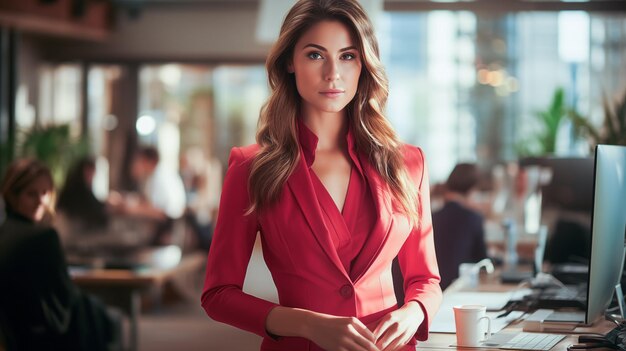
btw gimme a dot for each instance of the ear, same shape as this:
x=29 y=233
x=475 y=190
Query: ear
x=290 y=68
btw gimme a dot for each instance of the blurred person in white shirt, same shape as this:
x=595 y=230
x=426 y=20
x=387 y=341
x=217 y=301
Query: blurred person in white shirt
x=161 y=194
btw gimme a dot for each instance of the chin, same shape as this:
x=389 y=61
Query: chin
x=333 y=107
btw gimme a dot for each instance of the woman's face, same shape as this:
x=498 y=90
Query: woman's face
x=35 y=199
x=327 y=66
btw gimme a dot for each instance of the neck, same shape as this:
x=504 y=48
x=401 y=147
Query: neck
x=330 y=129
x=16 y=215
x=456 y=197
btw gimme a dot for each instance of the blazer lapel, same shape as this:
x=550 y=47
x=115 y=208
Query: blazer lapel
x=382 y=200
x=302 y=188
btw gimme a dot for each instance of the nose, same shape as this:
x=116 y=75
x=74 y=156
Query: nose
x=331 y=70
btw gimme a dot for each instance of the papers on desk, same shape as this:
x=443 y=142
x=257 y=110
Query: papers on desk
x=444 y=319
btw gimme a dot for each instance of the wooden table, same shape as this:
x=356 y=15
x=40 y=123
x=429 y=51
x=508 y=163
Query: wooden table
x=122 y=288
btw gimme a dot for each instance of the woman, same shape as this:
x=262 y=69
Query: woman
x=39 y=305
x=77 y=201
x=82 y=220
x=334 y=195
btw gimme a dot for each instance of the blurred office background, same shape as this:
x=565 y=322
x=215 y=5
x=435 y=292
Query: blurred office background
x=485 y=81
x=468 y=79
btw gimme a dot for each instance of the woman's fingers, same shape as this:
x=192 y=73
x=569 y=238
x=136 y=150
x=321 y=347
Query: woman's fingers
x=395 y=344
x=363 y=336
x=391 y=334
x=363 y=330
x=341 y=334
x=385 y=323
x=361 y=344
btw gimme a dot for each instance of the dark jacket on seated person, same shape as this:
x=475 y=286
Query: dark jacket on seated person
x=40 y=307
x=459 y=238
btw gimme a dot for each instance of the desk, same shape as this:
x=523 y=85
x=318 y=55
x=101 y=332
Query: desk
x=122 y=288
x=442 y=341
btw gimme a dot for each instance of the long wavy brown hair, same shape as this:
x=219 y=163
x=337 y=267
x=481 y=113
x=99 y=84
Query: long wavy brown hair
x=277 y=130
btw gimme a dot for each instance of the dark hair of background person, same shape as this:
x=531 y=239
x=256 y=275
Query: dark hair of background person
x=77 y=200
x=19 y=175
x=149 y=153
x=463 y=178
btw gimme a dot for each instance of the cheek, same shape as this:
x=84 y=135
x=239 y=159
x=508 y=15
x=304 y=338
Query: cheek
x=305 y=78
x=25 y=203
x=353 y=74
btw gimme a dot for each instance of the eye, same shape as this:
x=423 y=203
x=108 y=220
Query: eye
x=315 y=55
x=348 y=56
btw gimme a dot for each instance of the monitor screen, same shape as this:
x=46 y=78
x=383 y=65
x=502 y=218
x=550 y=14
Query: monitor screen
x=608 y=225
x=571 y=187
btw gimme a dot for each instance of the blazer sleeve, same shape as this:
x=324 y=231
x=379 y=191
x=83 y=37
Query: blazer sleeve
x=223 y=298
x=417 y=258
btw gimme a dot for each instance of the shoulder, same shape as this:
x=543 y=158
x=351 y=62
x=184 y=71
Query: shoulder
x=413 y=155
x=476 y=216
x=18 y=227
x=414 y=160
x=242 y=155
x=17 y=235
x=458 y=210
x=240 y=164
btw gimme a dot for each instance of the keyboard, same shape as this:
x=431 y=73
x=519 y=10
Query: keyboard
x=532 y=341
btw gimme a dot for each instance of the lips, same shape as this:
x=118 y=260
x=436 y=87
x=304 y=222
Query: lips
x=332 y=93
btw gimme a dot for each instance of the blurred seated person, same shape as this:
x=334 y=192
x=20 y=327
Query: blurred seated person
x=91 y=228
x=458 y=227
x=161 y=195
x=40 y=307
x=202 y=178
x=79 y=213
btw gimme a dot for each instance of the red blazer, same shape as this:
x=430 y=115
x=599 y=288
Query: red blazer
x=299 y=253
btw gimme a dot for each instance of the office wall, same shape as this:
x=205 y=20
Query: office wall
x=189 y=33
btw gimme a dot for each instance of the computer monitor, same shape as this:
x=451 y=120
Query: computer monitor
x=608 y=231
x=571 y=185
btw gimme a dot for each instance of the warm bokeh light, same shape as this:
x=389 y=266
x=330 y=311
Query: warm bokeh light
x=495 y=78
x=483 y=76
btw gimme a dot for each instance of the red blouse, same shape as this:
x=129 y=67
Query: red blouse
x=349 y=228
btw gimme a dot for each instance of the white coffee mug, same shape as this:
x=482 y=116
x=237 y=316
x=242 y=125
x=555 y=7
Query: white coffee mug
x=470 y=331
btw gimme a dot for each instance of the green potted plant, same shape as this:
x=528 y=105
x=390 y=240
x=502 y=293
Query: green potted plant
x=543 y=141
x=55 y=146
x=613 y=128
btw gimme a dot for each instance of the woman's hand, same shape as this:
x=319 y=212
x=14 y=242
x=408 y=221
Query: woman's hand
x=397 y=328
x=334 y=333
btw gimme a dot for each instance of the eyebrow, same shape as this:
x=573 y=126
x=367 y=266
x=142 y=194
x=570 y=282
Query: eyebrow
x=319 y=47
